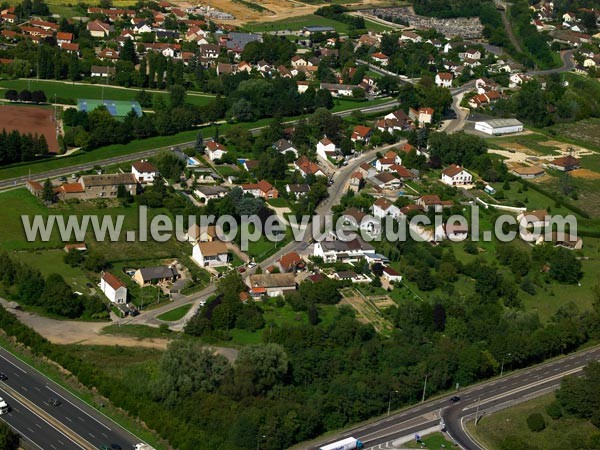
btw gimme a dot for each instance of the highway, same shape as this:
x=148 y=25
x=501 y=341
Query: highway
x=70 y=425
x=480 y=399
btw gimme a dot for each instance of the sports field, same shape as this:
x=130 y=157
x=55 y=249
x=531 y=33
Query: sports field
x=117 y=108
x=30 y=119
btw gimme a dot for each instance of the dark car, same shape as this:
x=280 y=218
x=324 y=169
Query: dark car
x=3 y=377
x=104 y=447
x=455 y=399
x=116 y=447
x=53 y=401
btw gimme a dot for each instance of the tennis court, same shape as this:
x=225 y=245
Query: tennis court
x=116 y=108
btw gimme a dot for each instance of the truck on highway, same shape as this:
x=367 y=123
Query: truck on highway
x=4 y=408
x=345 y=444
x=143 y=446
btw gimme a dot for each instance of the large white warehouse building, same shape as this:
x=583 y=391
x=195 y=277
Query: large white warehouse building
x=499 y=126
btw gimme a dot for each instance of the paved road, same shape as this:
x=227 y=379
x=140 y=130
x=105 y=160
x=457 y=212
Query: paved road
x=71 y=425
x=490 y=396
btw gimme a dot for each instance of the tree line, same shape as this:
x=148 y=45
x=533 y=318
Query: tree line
x=16 y=147
x=25 y=96
x=52 y=293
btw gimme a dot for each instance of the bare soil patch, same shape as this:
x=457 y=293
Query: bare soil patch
x=30 y=119
x=585 y=173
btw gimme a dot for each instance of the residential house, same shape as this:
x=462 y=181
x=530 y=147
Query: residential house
x=299 y=61
x=107 y=185
x=565 y=163
x=433 y=201
x=271 y=285
x=455 y=175
x=262 y=189
x=410 y=36
x=352 y=276
x=144 y=171
x=422 y=115
x=70 y=191
x=560 y=239
x=206 y=193
x=215 y=150
x=382 y=207
x=391 y=275
x=35 y=187
x=99 y=29
x=196 y=234
x=63 y=38
x=353 y=219
x=284 y=146
x=342 y=251
x=114 y=289
x=361 y=134
x=156 y=275
x=355 y=181
x=210 y=254
x=102 y=71
x=536 y=218
x=380 y=58
x=338 y=90
x=326 y=148
x=297 y=190
x=77 y=246
x=307 y=167
x=527 y=172
x=386 y=181
x=443 y=79
x=290 y=262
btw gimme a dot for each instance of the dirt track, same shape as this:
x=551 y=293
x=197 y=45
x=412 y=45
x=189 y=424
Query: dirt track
x=30 y=119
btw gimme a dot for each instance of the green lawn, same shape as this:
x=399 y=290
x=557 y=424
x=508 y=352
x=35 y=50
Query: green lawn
x=68 y=90
x=297 y=23
x=536 y=142
x=51 y=261
x=138 y=331
x=495 y=430
x=278 y=202
x=175 y=314
x=432 y=441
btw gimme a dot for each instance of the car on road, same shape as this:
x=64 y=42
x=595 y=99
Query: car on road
x=116 y=447
x=53 y=401
x=251 y=265
x=3 y=377
x=455 y=399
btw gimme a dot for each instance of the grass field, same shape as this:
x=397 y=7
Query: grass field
x=535 y=142
x=297 y=23
x=175 y=314
x=92 y=91
x=561 y=434
x=52 y=261
x=137 y=331
x=432 y=441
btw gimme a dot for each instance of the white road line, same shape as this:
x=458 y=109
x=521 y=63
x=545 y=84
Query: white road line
x=71 y=403
x=38 y=425
x=93 y=437
x=12 y=364
x=52 y=446
x=24 y=388
x=23 y=434
x=68 y=418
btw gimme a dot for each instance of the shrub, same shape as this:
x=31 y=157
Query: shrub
x=554 y=410
x=536 y=422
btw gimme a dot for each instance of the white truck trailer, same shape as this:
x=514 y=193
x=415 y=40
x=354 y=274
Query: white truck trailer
x=4 y=408
x=345 y=444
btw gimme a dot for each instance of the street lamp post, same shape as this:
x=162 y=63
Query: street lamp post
x=390 y=402
x=502 y=366
x=424 y=388
x=258 y=441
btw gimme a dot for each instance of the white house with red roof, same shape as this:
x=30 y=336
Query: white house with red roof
x=421 y=115
x=443 y=79
x=308 y=167
x=144 y=171
x=114 y=289
x=391 y=275
x=455 y=175
x=382 y=207
x=326 y=148
x=262 y=189
x=215 y=150
x=380 y=58
x=361 y=133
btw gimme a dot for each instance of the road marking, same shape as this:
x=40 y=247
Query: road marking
x=68 y=418
x=38 y=425
x=37 y=389
x=52 y=446
x=30 y=430
x=24 y=388
x=72 y=404
x=12 y=364
x=93 y=437
x=523 y=388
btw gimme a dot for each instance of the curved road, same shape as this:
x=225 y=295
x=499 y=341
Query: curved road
x=481 y=399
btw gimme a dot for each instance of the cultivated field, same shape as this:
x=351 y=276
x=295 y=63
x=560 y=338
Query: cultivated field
x=30 y=119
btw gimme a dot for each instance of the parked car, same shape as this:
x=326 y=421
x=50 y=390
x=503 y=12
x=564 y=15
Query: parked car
x=455 y=399
x=53 y=401
x=3 y=377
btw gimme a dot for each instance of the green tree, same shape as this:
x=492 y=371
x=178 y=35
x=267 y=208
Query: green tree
x=260 y=367
x=9 y=440
x=177 y=96
x=48 y=194
x=536 y=422
x=187 y=368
